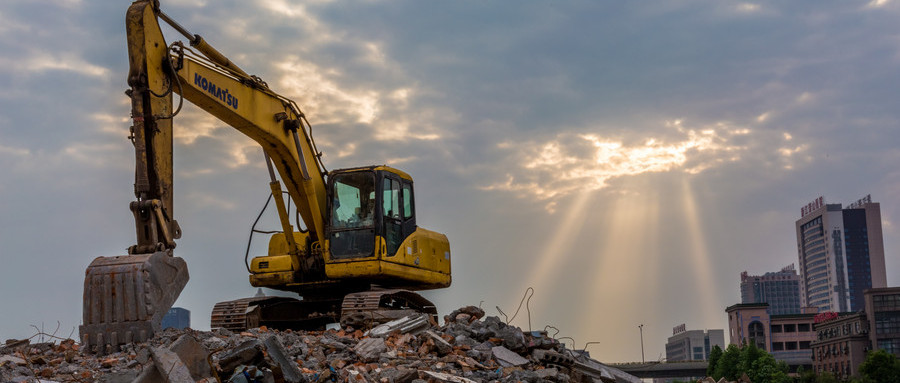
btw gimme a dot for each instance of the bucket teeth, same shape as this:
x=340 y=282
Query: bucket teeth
x=126 y=297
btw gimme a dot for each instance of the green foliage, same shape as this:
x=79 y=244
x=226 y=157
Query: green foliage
x=714 y=355
x=751 y=360
x=827 y=377
x=804 y=376
x=881 y=366
x=727 y=366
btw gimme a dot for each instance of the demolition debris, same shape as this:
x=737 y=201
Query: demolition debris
x=412 y=349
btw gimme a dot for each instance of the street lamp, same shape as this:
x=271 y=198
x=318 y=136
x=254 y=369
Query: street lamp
x=641 y=327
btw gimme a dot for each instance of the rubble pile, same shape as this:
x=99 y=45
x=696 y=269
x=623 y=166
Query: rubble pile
x=412 y=349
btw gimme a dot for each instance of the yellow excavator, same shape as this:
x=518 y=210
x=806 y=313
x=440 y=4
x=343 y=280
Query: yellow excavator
x=359 y=259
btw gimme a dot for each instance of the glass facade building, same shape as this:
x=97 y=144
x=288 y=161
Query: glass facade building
x=840 y=254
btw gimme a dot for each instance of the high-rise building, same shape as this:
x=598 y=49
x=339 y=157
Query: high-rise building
x=841 y=254
x=780 y=289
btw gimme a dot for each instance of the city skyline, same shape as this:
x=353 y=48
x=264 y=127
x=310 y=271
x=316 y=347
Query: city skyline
x=625 y=160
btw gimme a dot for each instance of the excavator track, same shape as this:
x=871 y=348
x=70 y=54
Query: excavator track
x=232 y=315
x=357 y=310
x=274 y=312
x=369 y=308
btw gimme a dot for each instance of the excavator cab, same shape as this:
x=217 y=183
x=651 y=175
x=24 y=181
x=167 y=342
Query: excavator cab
x=371 y=237
x=371 y=232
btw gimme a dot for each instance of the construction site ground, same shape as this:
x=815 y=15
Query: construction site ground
x=467 y=347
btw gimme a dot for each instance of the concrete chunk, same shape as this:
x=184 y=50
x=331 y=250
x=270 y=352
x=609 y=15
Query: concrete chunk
x=193 y=355
x=507 y=358
x=370 y=349
x=278 y=355
x=412 y=324
x=12 y=359
x=170 y=366
x=440 y=345
x=440 y=376
x=249 y=353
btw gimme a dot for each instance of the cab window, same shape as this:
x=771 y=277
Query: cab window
x=407 y=201
x=353 y=205
x=391 y=201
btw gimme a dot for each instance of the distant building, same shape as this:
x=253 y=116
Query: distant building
x=883 y=312
x=691 y=345
x=787 y=337
x=780 y=289
x=177 y=317
x=842 y=341
x=840 y=253
x=686 y=345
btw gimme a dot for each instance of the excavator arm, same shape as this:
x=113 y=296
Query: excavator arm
x=209 y=80
x=125 y=297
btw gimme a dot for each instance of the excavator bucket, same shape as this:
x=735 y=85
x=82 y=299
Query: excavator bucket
x=126 y=297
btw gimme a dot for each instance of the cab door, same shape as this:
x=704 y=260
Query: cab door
x=408 y=225
x=391 y=214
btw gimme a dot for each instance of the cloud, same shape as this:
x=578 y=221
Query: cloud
x=571 y=162
x=14 y=152
x=40 y=62
x=878 y=3
x=748 y=7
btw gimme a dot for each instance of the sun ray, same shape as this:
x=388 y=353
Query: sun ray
x=626 y=259
x=558 y=248
x=699 y=254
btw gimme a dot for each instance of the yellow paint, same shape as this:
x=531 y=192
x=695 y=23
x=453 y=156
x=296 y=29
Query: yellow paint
x=423 y=259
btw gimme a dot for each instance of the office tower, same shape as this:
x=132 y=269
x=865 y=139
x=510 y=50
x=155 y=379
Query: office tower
x=841 y=254
x=780 y=289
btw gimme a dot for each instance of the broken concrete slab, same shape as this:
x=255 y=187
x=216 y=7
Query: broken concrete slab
x=441 y=346
x=507 y=358
x=440 y=376
x=282 y=363
x=193 y=355
x=247 y=353
x=398 y=375
x=370 y=349
x=12 y=359
x=411 y=324
x=170 y=366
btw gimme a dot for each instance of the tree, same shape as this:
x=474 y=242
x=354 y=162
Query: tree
x=749 y=354
x=727 y=366
x=881 y=366
x=759 y=365
x=766 y=369
x=714 y=355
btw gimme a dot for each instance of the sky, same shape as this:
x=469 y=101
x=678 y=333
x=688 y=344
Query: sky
x=625 y=160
